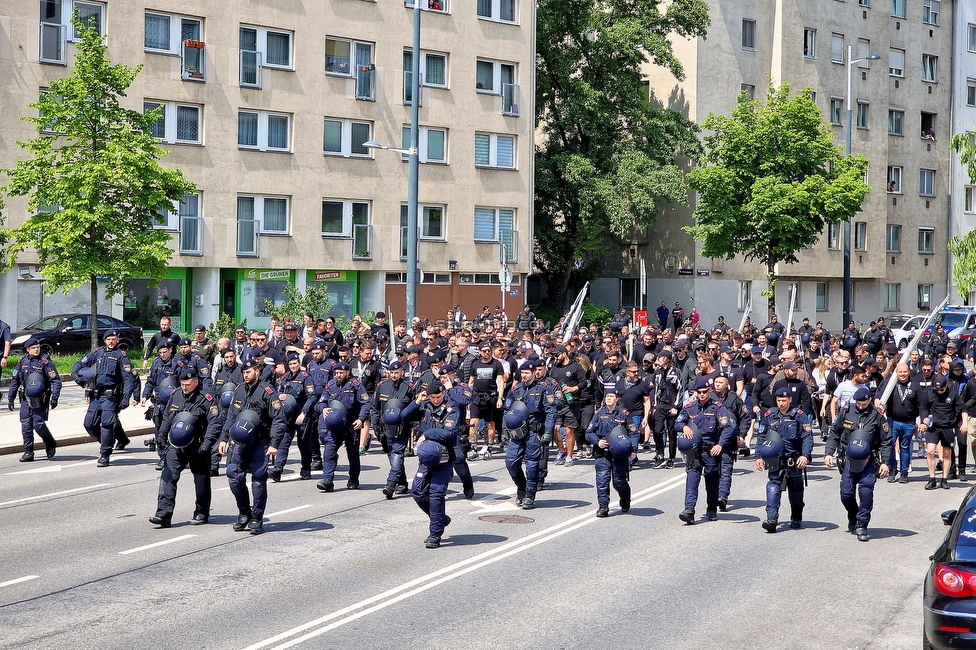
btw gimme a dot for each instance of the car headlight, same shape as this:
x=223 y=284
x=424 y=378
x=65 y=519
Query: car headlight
x=20 y=339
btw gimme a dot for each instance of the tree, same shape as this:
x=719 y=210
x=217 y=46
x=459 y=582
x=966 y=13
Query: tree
x=964 y=248
x=606 y=155
x=772 y=180
x=94 y=183
x=314 y=300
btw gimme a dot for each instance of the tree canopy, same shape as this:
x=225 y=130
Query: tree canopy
x=963 y=248
x=606 y=155
x=771 y=180
x=94 y=184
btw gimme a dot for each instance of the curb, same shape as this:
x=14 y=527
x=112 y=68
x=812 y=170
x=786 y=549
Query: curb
x=71 y=439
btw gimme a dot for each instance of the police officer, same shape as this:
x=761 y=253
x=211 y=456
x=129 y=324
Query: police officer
x=784 y=443
x=298 y=384
x=190 y=357
x=394 y=435
x=526 y=435
x=458 y=396
x=740 y=415
x=37 y=382
x=256 y=420
x=229 y=372
x=160 y=384
x=191 y=422
x=611 y=458
x=350 y=393
x=861 y=434
x=716 y=429
x=109 y=392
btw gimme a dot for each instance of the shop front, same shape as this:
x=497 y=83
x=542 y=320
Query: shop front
x=245 y=294
x=343 y=290
x=143 y=305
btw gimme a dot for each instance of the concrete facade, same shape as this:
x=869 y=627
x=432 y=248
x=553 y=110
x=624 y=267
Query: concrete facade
x=331 y=74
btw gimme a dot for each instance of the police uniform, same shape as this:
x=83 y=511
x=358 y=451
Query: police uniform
x=299 y=385
x=459 y=396
x=850 y=426
x=223 y=375
x=158 y=373
x=108 y=394
x=251 y=457
x=352 y=396
x=740 y=416
x=526 y=446
x=795 y=431
x=37 y=382
x=393 y=437
x=555 y=394
x=205 y=412
x=196 y=361
x=608 y=467
x=716 y=427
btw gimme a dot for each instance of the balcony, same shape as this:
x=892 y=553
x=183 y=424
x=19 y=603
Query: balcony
x=250 y=69
x=194 y=60
x=510 y=100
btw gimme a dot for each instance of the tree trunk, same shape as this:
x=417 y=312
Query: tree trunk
x=771 y=298
x=94 y=312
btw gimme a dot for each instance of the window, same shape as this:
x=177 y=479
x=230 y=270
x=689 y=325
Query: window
x=263 y=131
x=896 y=63
x=925 y=237
x=55 y=18
x=260 y=48
x=971 y=92
x=837 y=48
x=925 y=296
x=430 y=222
x=748 y=34
x=864 y=3
x=169 y=34
x=340 y=217
x=191 y=226
x=926 y=182
x=930 y=12
x=836 y=111
x=745 y=295
x=969 y=204
x=494 y=150
x=892 y=239
x=433 y=69
x=493 y=224
x=491 y=75
x=352 y=59
x=346 y=138
x=435 y=278
x=178 y=124
x=971 y=40
x=748 y=89
x=896 y=120
x=821 y=296
x=894 y=180
x=863 y=52
x=891 y=301
x=860 y=235
x=433 y=144
x=809 y=43
x=505 y=11
x=439 y=6
x=898 y=8
x=833 y=236
x=929 y=68
x=862 y=114
x=269 y=212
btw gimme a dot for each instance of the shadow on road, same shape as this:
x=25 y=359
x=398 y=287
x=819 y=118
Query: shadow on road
x=820 y=525
x=884 y=533
x=308 y=526
x=645 y=512
x=734 y=518
x=472 y=540
x=742 y=504
x=562 y=503
x=555 y=485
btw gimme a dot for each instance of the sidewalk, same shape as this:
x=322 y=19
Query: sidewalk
x=67 y=427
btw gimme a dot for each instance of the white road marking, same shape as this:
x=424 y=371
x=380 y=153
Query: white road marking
x=285 y=512
x=423 y=583
x=47 y=469
x=490 y=499
x=148 y=546
x=17 y=580
x=292 y=477
x=55 y=494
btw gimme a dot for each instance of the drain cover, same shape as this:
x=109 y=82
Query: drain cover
x=506 y=519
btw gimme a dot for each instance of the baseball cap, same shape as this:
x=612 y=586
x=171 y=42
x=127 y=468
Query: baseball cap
x=200 y=328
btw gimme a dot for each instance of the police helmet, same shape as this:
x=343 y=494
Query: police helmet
x=245 y=427
x=431 y=454
x=772 y=450
x=35 y=385
x=165 y=390
x=289 y=406
x=392 y=413
x=621 y=445
x=85 y=377
x=183 y=431
x=858 y=451
x=227 y=394
x=517 y=415
x=336 y=420
x=687 y=445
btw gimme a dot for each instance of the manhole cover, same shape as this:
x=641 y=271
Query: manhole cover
x=506 y=519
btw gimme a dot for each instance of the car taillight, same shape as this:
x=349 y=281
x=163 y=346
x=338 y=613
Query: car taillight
x=954 y=582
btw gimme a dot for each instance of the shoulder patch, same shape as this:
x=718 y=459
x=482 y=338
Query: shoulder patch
x=208 y=397
x=269 y=390
x=52 y=374
x=214 y=410
x=276 y=404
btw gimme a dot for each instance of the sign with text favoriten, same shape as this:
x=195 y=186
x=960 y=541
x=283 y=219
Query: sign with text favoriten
x=327 y=275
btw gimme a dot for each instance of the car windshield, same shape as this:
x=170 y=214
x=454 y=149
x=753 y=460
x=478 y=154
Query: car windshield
x=49 y=323
x=951 y=320
x=896 y=322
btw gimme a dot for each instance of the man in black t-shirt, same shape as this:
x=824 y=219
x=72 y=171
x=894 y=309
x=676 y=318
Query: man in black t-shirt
x=487 y=382
x=568 y=375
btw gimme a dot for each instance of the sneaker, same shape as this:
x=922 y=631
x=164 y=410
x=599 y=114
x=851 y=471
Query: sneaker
x=944 y=484
x=660 y=463
x=560 y=458
x=795 y=524
x=892 y=477
x=433 y=541
x=962 y=476
x=625 y=505
x=103 y=461
x=519 y=498
x=316 y=465
x=769 y=525
x=469 y=493
x=388 y=493
x=903 y=478
x=669 y=464
x=687 y=515
x=401 y=489
x=723 y=504
x=932 y=484
x=603 y=513
x=28 y=457
x=472 y=455
x=325 y=486
x=587 y=453
x=711 y=515
x=658 y=460
x=862 y=534
x=528 y=503
x=569 y=462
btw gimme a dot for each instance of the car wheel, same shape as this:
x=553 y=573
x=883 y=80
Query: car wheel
x=902 y=344
x=124 y=346
x=46 y=349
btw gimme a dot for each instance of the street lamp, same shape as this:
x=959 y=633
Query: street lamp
x=847 y=222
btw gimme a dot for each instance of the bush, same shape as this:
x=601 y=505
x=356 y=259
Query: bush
x=594 y=314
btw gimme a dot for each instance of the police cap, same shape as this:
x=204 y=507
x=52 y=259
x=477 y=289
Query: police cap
x=701 y=383
x=782 y=391
x=862 y=394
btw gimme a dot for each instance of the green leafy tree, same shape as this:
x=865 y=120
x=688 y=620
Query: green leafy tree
x=772 y=180
x=606 y=155
x=963 y=248
x=314 y=300
x=93 y=182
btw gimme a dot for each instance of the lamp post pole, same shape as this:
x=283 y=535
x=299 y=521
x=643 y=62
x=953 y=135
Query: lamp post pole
x=414 y=171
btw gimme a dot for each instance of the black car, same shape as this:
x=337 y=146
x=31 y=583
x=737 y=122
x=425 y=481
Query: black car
x=949 y=600
x=71 y=333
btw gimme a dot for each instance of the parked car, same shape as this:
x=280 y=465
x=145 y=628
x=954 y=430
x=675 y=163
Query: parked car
x=949 y=596
x=958 y=322
x=71 y=333
x=903 y=328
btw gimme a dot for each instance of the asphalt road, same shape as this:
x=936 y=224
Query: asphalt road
x=81 y=567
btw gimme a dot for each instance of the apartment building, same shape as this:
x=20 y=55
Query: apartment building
x=266 y=108
x=901 y=124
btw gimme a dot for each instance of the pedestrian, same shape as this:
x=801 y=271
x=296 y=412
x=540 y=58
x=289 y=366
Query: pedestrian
x=707 y=424
x=862 y=441
x=487 y=382
x=392 y=393
x=109 y=391
x=165 y=333
x=663 y=313
x=202 y=345
x=347 y=398
x=784 y=444
x=939 y=410
x=162 y=380
x=299 y=385
x=256 y=422
x=611 y=452
x=902 y=409
x=191 y=424
x=37 y=382
x=530 y=413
